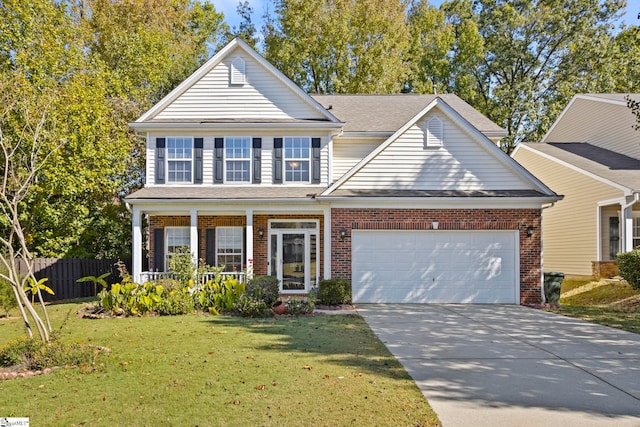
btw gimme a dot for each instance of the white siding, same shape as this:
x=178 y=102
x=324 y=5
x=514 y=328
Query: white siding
x=462 y=163
x=602 y=124
x=263 y=96
x=348 y=152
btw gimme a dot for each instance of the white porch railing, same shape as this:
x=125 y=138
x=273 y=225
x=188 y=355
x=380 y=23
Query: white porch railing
x=148 y=276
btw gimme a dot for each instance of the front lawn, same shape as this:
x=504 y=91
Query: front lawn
x=210 y=371
x=608 y=303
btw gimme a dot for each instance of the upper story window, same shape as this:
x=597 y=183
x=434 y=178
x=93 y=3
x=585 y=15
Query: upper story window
x=237 y=72
x=180 y=159
x=435 y=133
x=237 y=158
x=297 y=152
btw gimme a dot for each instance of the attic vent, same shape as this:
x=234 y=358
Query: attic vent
x=435 y=133
x=237 y=73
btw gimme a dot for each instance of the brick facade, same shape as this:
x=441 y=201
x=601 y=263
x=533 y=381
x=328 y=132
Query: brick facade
x=449 y=219
x=260 y=244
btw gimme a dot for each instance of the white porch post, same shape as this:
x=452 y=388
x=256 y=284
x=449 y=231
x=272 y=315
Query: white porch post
x=136 y=243
x=249 y=243
x=327 y=243
x=627 y=228
x=193 y=237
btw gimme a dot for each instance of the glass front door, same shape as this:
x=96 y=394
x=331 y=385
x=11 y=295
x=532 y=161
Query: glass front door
x=293 y=255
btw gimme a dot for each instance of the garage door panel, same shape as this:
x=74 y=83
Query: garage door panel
x=434 y=266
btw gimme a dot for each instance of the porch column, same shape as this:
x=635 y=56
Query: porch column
x=136 y=224
x=193 y=237
x=327 y=243
x=249 y=243
x=627 y=227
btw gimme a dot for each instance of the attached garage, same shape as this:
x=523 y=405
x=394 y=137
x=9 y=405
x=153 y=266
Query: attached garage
x=435 y=266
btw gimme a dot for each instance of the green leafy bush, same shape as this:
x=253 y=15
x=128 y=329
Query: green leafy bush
x=131 y=299
x=248 y=306
x=297 y=305
x=266 y=288
x=629 y=267
x=334 y=292
x=177 y=301
x=220 y=293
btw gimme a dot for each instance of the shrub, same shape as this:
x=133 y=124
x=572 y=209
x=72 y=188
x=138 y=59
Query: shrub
x=220 y=293
x=629 y=267
x=177 y=301
x=299 y=305
x=266 y=288
x=129 y=298
x=334 y=292
x=248 y=306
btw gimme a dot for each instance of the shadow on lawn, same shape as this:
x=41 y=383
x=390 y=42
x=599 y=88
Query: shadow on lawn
x=344 y=339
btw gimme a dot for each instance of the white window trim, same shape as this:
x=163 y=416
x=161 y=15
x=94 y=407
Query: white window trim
x=434 y=140
x=249 y=159
x=168 y=254
x=285 y=160
x=242 y=245
x=168 y=160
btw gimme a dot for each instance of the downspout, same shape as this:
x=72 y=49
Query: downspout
x=544 y=299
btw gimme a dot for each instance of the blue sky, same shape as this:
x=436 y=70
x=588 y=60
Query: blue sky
x=228 y=7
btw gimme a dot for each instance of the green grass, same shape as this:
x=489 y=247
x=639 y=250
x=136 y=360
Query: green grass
x=220 y=371
x=614 y=304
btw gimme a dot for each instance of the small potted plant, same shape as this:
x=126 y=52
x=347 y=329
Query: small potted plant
x=279 y=307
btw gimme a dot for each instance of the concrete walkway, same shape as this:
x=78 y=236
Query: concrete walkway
x=507 y=365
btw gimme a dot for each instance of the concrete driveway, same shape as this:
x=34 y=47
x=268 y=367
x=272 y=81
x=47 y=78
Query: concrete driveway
x=507 y=365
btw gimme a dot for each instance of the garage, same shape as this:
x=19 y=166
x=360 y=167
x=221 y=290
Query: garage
x=435 y=266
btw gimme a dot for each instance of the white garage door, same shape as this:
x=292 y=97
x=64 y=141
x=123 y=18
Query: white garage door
x=435 y=266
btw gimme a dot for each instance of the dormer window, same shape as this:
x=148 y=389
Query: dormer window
x=435 y=133
x=237 y=73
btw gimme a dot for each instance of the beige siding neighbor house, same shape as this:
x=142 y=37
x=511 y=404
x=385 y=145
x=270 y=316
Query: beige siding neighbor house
x=406 y=196
x=591 y=155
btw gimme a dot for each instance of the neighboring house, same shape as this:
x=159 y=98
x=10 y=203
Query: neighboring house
x=591 y=155
x=407 y=196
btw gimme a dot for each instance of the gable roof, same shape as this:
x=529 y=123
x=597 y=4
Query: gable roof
x=216 y=59
x=617 y=169
x=438 y=102
x=388 y=113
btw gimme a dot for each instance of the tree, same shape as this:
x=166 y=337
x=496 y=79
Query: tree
x=444 y=50
x=339 y=46
x=537 y=54
x=246 y=30
x=22 y=158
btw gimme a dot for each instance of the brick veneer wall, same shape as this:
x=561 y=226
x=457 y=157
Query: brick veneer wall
x=260 y=245
x=449 y=219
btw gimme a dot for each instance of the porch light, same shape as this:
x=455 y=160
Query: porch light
x=530 y=230
x=343 y=233
x=261 y=232
x=435 y=225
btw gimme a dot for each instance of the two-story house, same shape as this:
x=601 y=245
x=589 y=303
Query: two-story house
x=407 y=196
x=591 y=155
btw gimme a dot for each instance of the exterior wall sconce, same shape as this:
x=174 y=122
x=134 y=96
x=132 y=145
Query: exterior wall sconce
x=435 y=225
x=261 y=232
x=530 y=230
x=343 y=233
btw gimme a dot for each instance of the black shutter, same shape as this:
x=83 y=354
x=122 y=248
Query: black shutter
x=277 y=160
x=158 y=249
x=197 y=160
x=210 y=246
x=315 y=160
x=160 y=157
x=218 y=167
x=257 y=160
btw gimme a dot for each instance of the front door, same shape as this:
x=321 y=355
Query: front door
x=293 y=255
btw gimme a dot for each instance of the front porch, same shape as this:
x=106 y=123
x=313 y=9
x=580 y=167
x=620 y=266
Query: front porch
x=244 y=243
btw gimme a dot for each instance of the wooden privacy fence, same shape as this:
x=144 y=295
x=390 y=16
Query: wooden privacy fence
x=64 y=273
